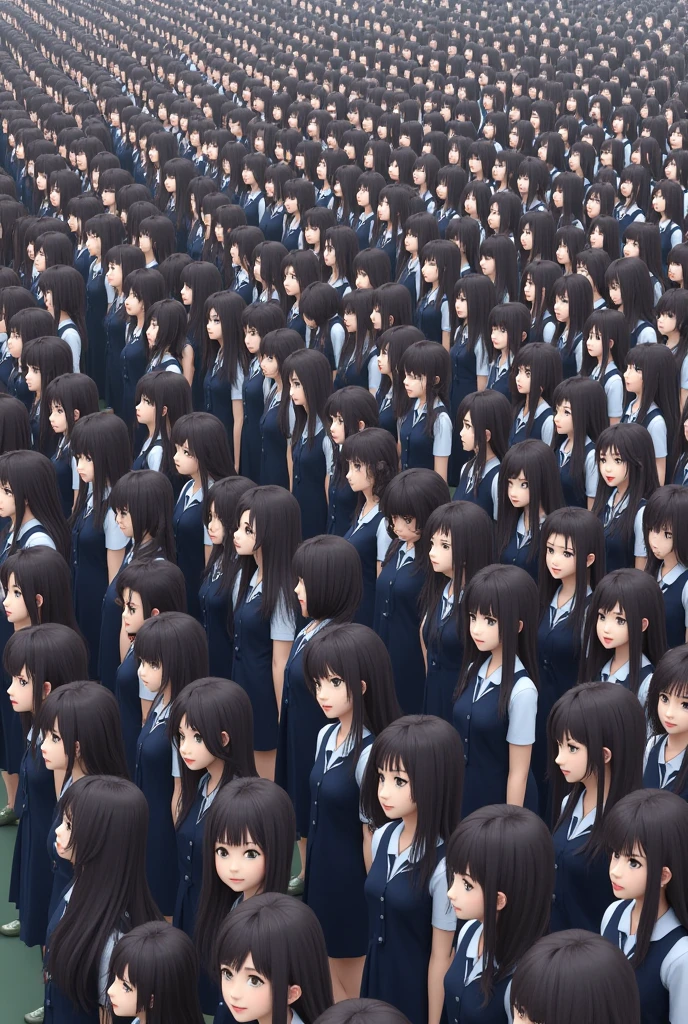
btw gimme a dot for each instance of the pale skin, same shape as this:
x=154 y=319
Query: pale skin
x=572 y=759
x=628 y=875
x=614 y=472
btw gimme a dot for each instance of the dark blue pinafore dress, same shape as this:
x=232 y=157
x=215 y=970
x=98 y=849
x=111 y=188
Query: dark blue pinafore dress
x=364 y=539
x=674 y=611
x=115 y=324
x=214 y=602
x=444 y=644
x=310 y=470
x=96 y=310
x=582 y=890
x=58 y=1009
x=397 y=623
x=129 y=703
x=253 y=402
x=89 y=582
x=188 y=534
x=341 y=505
x=62 y=461
x=273 y=446
x=253 y=668
x=464 y=1001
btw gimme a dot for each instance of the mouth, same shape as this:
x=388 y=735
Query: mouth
x=607 y=640
x=555 y=570
x=565 y=771
x=13 y=702
x=237 y=1009
x=609 y=479
x=670 y=725
x=616 y=887
x=326 y=707
x=387 y=807
x=188 y=761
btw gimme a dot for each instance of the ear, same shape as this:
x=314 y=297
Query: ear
x=590 y=559
x=607 y=755
x=76 y=414
x=164 y=411
x=520 y=625
x=39 y=600
x=77 y=751
x=488 y=436
x=224 y=737
x=154 y=612
x=361 y=425
x=644 y=623
x=666 y=876
x=364 y=686
x=501 y=901
x=524 y=335
x=437 y=380
x=611 y=344
x=47 y=687
x=391 y=321
x=294 y=992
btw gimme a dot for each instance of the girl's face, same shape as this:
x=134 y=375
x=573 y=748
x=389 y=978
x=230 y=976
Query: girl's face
x=269 y=366
x=633 y=379
x=252 y=340
x=631 y=248
x=626 y=187
x=145 y=244
x=192 y=749
x=20 y=692
x=440 y=554
x=53 y=751
x=186 y=293
x=560 y=557
x=133 y=305
x=430 y=272
x=527 y=239
x=572 y=759
x=467 y=434
x=672 y=711
x=15 y=606
x=133 y=616
x=296 y=392
x=612 y=627
x=185 y=463
x=466 y=898
x=461 y=306
x=333 y=697
x=394 y=792
x=58 y=419
x=248 y=994
x=291 y=284
x=291 y=205
x=114 y=276
x=593 y=344
x=661 y=542
x=151 y=676
x=615 y=293
x=363 y=198
x=123 y=996
x=311 y=235
x=561 y=305
x=124 y=521
x=358 y=477
x=216 y=530
x=596 y=238
x=145 y=412
x=484 y=630
x=658 y=203
x=329 y=255
x=94 y=245
x=33 y=379
x=488 y=266
x=383 y=363
x=152 y=332
x=405 y=528
x=415 y=385
x=337 y=432
x=523 y=380
x=593 y=207
x=612 y=468
x=383 y=211
x=214 y=326
x=7 y=504
x=518 y=491
x=39 y=262
x=628 y=875
x=675 y=273
x=470 y=206
x=362 y=280
x=245 y=535
x=63 y=837
x=666 y=323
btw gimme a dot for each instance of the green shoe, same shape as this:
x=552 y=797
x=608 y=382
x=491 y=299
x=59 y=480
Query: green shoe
x=296 y=886
x=35 y=1016
x=10 y=930
x=8 y=817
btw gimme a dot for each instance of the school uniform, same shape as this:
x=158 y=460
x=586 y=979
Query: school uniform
x=341 y=286
x=662 y=977
x=253 y=205
x=295 y=321
x=433 y=322
x=166 y=362
x=312 y=463
x=467 y=366
x=612 y=382
x=292 y=236
x=300 y=723
x=581 y=884
x=273 y=443
x=370 y=538
x=129 y=704
x=368 y=376
x=67 y=477
x=498 y=375
x=150 y=456
x=253 y=640
x=214 y=602
x=642 y=334
x=464 y=1002
x=115 y=327
x=397 y=622
x=670 y=234
x=674 y=587
x=389 y=243
x=486 y=736
x=621 y=553
x=658 y=773
x=253 y=388
x=133 y=360
x=66 y=330
x=219 y=393
x=443 y=640
x=401 y=917
x=418 y=447
x=111 y=627
x=627 y=215
x=654 y=423
x=574 y=496
x=16 y=386
x=411 y=279
x=443 y=218
x=195 y=240
x=243 y=285
x=483 y=492
x=364 y=229
x=335 y=843
x=543 y=425
x=341 y=504
x=191 y=535
x=272 y=222
x=387 y=420
x=519 y=551
x=622 y=673
x=155 y=769
x=572 y=360
x=96 y=310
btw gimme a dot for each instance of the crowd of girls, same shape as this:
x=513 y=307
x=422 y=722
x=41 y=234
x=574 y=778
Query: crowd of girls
x=344 y=511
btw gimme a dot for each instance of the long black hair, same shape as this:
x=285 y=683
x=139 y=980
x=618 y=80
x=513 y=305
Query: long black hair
x=31 y=478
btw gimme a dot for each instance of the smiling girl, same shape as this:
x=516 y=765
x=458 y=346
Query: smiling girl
x=666 y=766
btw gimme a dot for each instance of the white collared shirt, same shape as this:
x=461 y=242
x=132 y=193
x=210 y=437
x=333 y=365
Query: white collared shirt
x=622 y=673
x=383 y=538
x=522 y=701
x=473 y=967
x=612 y=511
x=668 y=770
x=443 y=916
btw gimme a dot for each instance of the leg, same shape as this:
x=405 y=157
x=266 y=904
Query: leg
x=11 y=785
x=301 y=843
x=265 y=763
x=347 y=974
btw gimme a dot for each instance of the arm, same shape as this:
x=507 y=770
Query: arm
x=446 y=340
x=440 y=960
x=280 y=653
x=327 y=487
x=176 y=796
x=58 y=778
x=238 y=414
x=441 y=464
x=146 y=705
x=290 y=467
x=684 y=396
x=519 y=766
x=422 y=645
x=123 y=644
x=613 y=420
x=640 y=563
x=591 y=502
x=661 y=470
x=207 y=548
x=367 y=847
x=188 y=363
x=114 y=563
x=482 y=383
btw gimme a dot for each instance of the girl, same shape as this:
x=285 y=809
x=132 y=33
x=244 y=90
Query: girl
x=572 y=305
x=440 y=269
x=500 y=873
x=393 y=402
x=667 y=208
x=672 y=326
x=537 y=282
x=498 y=261
x=329 y=589
x=666 y=546
x=165 y=329
x=67 y=398
x=203 y=454
x=299 y=196
x=419 y=229
x=141 y=288
x=161 y=398
x=63 y=292
x=528 y=481
x=219 y=509
x=628 y=472
x=580 y=418
x=665 y=760
x=606 y=344
x=413 y=777
x=211 y=724
x=37 y=660
x=349 y=410
x=349 y=673
x=454 y=560
x=265 y=539
x=102 y=232
x=24 y=327
x=310 y=454
x=407 y=504
x=321 y=308
x=596 y=734
x=120 y=261
x=226 y=363
x=278 y=942
x=154 y=973
x=109 y=894
x=372 y=460
x=630 y=290
x=425 y=432
x=650 y=375
x=341 y=245
x=170 y=651
x=508 y=324
x=358 y=360
x=100 y=445
x=534 y=375
x=299 y=269
x=485 y=418
x=645 y=833
x=198 y=282
x=275 y=347
x=496 y=699
x=571 y=566
x=256 y=320
x=627 y=620
x=42 y=360
x=474 y=297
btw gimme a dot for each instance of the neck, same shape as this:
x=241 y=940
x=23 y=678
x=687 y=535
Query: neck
x=620 y=657
x=495 y=660
x=670 y=562
x=77 y=772
x=215 y=770
x=673 y=338
x=196 y=478
x=370 y=500
x=662 y=907
x=140 y=319
x=590 y=795
x=621 y=490
x=410 y=822
x=345 y=724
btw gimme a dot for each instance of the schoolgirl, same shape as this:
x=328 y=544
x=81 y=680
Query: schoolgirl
x=299 y=196
x=264 y=608
x=460 y=539
x=414 y=777
x=649 y=920
x=341 y=246
x=419 y=229
x=574 y=975
x=664 y=540
x=272 y=221
x=465 y=233
x=154 y=973
x=141 y=288
x=79 y=211
x=165 y=330
x=225 y=363
x=31 y=655
x=257 y=320
x=102 y=233
x=642 y=241
x=566 y=203
x=407 y=503
x=372 y=269
x=528 y=481
x=156 y=239
x=425 y=431
x=14 y=299
x=667 y=208
x=240 y=245
x=596 y=735
x=485 y=418
x=508 y=324
x=392 y=212
x=498 y=261
x=310 y=453
x=634 y=193
x=603 y=235
x=392 y=399
x=677 y=271
x=391 y=305
x=275 y=347
x=199 y=188
x=580 y=418
x=348 y=410
x=593 y=263
x=358 y=362
x=440 y=269
x=630 y=290
x=267 y=271
x=368 y=189
x=665 y=761
x=451 y=181
x=536 y=372
x=198 y=282
x=63 y=293
x=672 y=326
x=278 y=941
x=42 y=360
x=537 y=282
x=571 y=299
x=650 y=375
x=606 y=345
x=161 y=398
x=170 y=651
x=120 y=261
x=177 y=177
x=320 y=308
x=299 y=269
x=211 y=724
x=252 y=195
x=500 y=873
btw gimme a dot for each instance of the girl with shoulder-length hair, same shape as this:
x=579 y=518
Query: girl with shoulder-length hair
x=42 y=360
x=630 y=290
x=414 y=777
x=198 y=281
x=580 y=417
x=666 y=766
x=30 y=500
x=361 y=708
x=37 y=660
x=226 y=364
x=596 y=736
x=649 y=828
x=500 y=873
x=485 y=418
x=440 y=269
x=495 y=703
x=529 y=489
x=100 y=445
x=571 y=299
x=265 y=539
x=534 y=375
x=499 y=262
x=107 y=817
x=651 y=377
x=64 y=295
x=141 y=288
x=161 y=969
x=282 y=941
x=666 y=539
x=165 y=330
x=425 y=434
x=248 y=850
x=161 y=399
x=605 y=334
x=573 y=976
x=348 y=410
x=626 y=619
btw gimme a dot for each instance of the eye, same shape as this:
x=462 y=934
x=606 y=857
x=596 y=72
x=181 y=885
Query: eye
x=573 y=749
x=467 y=886
x=226 y=974
x=254 y=981
x=252 y=854
x=126 y=986
x=399 y=782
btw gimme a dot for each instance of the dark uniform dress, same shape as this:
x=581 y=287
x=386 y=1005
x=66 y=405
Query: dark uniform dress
x=388 y=420
x=463 y=996
x=310 y=469
x=62 y=462
x=214 y=602
x=253 y=401
x=218 y=395
x=133 y=360
x=620 y=551
x=96 y=310
x=115 y=325
x=111 y=628
x=335 y=845
x=582 y=890
x=363 y=535
x=187 y=522
x=444 y=645
x=519 y=551
x=519 y=428
x=672 y=585
x=481 y=494
x=661 y=774
x=153 y=776
x=397 y=623
x=273 y=444
x=58 y=1009
x=299 y=726
x=341 y=503
x=129 y=703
